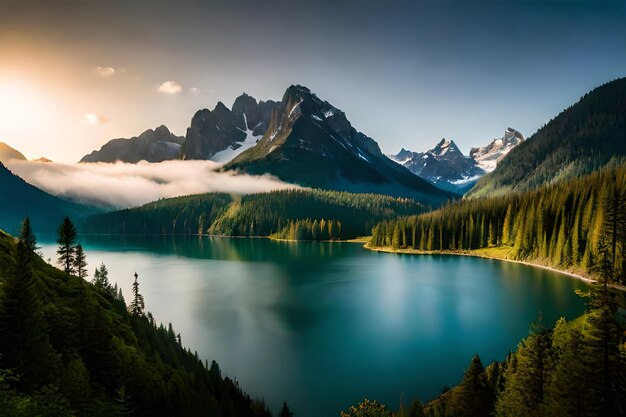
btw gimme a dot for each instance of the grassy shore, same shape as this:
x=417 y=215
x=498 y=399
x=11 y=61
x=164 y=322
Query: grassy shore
x=498 y=253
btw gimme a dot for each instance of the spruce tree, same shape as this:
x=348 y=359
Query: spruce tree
x=80 y=262
x=27 y=237
x=473 y=397
x=67 y=240
x=101 y=279
x=23 y=337
x=526 y=381
x=285 y=411
x=137 y=306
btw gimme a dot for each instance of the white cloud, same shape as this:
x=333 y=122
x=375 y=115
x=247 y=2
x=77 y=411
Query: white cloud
x=105 y=72
x=92 y=119
x=196 y=91
x=170 y=87
x=122 y=185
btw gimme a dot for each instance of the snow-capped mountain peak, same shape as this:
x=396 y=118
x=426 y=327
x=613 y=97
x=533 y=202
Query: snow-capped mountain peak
x=447 y=167
x=487 y=157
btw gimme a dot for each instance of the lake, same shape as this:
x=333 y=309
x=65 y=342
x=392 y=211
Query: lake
x=324 y=325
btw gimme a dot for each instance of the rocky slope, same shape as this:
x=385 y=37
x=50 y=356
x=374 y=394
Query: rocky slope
x=310 y=142
x=488 y=156
x=152 y=145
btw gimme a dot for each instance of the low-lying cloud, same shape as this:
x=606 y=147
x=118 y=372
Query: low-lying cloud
x=121 y=185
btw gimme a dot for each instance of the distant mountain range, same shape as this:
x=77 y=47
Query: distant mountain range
x=447 y=167
x=301 y=140
x=583 y=138
x=19 y=199
x=152 y=145
x=305 y=140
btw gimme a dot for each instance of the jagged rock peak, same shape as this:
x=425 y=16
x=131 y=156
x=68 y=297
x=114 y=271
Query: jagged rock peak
x=446 y=147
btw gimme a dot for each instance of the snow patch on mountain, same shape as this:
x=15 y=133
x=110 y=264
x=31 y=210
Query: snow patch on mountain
x=446 y=165
x=487 y=157
x=236 y=148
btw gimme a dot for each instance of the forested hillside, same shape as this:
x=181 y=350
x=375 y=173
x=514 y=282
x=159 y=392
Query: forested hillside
x=580 y=140
x=577 y=368
x=319 y=215
x=71 y=348
x=18 y=199
x=571 y=225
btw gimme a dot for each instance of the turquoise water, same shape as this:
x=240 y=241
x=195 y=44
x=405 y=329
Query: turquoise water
x=323 y=325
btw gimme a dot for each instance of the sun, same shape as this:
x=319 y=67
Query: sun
x=21 y=104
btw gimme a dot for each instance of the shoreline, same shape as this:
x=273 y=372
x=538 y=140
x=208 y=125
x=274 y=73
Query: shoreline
x=478 y=254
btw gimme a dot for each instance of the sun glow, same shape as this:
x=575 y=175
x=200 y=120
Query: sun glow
x=20 y=104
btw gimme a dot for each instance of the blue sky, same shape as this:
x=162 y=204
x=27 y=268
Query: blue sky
x=406 y=73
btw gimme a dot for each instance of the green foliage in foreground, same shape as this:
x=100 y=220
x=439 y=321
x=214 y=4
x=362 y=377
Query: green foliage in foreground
x=70 y=348
x=291 y=214
x=567 y=225
x=575 y=369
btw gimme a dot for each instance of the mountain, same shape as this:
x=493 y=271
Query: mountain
x=7 y=152
x=444 y=165
x=583 y=138
x=19 y=199
x=152 y=145
x=223 y=133
x=312 y=143
x=488 y=156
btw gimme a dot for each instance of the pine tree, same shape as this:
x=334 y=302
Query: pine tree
x=614 y=227
x=506 y=226
x=472 y=397
x=525 y=382
x=80 y=262
x=67 y=240
x=23 y=338
x=101 y=278
x=27 y=237
x=570 y=389
x=137 y=306
x=285 y=411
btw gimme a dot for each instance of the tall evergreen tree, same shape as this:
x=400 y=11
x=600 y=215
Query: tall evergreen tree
x=67 y=240
x=473 y=396
x=137 y=306
x=285 y=411
x=80 y=262
x=101 y=279
x=27 y=237
x=23 y=337
x=614 y=227
x=525 y=382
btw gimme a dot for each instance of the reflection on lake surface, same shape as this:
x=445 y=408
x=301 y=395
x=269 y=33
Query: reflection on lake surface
x=323 y=325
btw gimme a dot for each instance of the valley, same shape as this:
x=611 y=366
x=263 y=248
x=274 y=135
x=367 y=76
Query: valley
x=204 y=212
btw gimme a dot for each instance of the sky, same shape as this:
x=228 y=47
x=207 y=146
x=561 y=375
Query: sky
x=75 y=74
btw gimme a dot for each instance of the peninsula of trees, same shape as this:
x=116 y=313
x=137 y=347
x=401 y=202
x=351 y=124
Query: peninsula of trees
x=293 y=214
